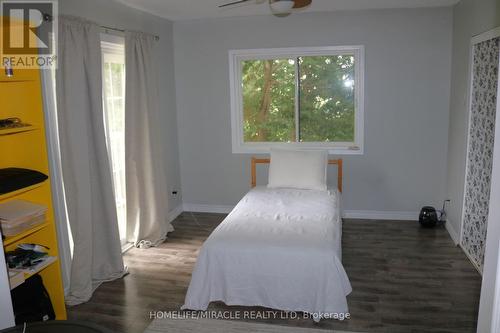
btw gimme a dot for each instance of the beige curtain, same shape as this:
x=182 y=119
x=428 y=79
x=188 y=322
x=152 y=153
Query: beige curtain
x=147 y=195
x=85 y=163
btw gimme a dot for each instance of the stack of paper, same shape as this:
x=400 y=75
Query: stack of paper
x=17 y=216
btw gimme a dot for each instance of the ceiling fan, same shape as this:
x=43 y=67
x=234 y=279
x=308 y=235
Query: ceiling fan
x=278 y=7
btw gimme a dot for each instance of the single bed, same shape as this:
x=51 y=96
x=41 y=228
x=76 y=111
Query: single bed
x=279 y=248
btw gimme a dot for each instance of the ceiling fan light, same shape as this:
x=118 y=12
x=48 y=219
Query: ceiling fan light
x=281 y=6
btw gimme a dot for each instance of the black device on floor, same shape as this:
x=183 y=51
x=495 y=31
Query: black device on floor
x=428 y=217
x=31 y=301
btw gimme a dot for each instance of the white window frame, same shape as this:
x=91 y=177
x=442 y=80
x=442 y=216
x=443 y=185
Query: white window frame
x=236 y=57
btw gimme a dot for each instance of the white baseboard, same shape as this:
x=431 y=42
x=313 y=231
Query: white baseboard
x=201 y=208
x=472 y=261
x=172 y=215
x=380 y=215
x=453 y=233
x=350 y=214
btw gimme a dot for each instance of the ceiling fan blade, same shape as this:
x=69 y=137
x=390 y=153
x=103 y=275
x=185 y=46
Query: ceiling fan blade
x=301 y=3
x=233 y=3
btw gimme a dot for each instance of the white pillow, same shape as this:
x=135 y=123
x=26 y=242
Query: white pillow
x=302 y=169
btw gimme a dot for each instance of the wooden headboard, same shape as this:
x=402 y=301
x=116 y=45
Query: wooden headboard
x=256 y=161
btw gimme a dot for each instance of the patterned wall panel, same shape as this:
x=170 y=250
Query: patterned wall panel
x=480 y=155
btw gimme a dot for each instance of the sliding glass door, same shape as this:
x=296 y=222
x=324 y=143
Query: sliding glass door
x=113 y=63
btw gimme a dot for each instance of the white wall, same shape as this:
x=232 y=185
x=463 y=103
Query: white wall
x=408 y=60
x=117 y=15
x=471 y=17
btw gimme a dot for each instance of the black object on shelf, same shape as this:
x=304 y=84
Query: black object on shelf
x=12 y=123
x=13 y=179
x=20 y=258
x=31 y=302
x=428 y=217
x=55 y=326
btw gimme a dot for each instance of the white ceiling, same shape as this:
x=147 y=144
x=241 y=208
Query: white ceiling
x=177 y=10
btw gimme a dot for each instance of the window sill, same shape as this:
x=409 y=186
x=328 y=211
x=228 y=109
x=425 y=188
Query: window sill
x=265 y=148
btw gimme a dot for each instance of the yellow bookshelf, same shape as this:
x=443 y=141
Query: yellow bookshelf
x=25 y=147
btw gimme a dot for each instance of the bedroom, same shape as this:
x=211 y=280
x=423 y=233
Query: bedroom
x=411 y=139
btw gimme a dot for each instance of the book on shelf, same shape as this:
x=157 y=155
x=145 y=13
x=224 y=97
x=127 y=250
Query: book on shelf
x=17 y=216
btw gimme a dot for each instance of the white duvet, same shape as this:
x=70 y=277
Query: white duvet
x=278 y=248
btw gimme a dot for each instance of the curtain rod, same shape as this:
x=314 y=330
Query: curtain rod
x=122 y=30
x=49 y=18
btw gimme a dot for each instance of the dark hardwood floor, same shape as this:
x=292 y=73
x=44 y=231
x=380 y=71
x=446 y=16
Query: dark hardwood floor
x=404 y=279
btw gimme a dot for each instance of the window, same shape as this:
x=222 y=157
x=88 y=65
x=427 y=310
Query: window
x=113 y=76
x=305 y=97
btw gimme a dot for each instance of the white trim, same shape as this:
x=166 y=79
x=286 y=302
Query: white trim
x=297 y=100
x=452 y=232
x=172 y=215
x=467 y=254
x=467 y=150
x=482 y=37
x=202 y=208
x=264 y=147
x=349 y=214
x=235 y=68
x=495 y=321
x=381 y=215
x=489 y=305
x=493 y=217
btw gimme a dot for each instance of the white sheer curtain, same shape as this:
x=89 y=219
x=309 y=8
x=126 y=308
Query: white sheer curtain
x=86 y=169
x=147 y=207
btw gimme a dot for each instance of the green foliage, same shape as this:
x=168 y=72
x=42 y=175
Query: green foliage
x=326 y=95
x=268 y=100
x=326 y=99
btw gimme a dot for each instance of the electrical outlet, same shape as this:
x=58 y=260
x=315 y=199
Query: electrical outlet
x=443 y=214
x=174 y=193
